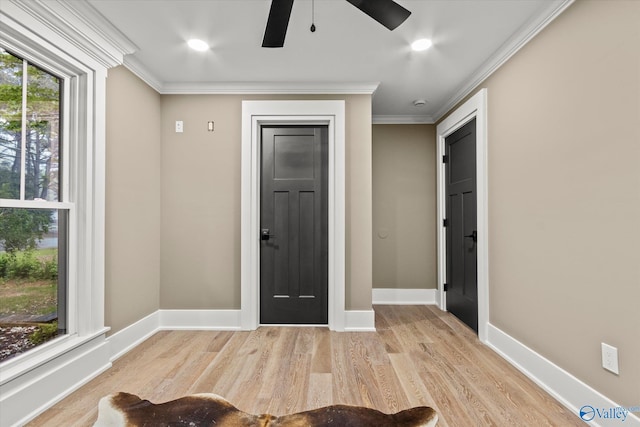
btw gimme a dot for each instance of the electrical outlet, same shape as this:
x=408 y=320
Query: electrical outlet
x=179 y=126
x=610 y=358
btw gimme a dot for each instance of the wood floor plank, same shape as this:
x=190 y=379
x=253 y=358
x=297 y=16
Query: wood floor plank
x=345 y=386
x=320 y=390
x=447 y=399
x=208 y=379
x=389 y=385
x=321 y=362
x=278 y=364
x=420 y=356
x=412 y=385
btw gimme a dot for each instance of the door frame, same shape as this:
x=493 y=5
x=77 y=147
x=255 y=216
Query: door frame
x=476 y=107
x=255 y=114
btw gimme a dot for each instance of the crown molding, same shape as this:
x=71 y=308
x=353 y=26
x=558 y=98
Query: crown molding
x=83 y=26
x=509 y=48
x=247 y=88
x=401 y=120
x=271 y=88
x=136 y=67
x=93 y=20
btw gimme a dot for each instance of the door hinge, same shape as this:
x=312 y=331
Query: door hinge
x=445 y=222
x=445 y=159
x=445 y=287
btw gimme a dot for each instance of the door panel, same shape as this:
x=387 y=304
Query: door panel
x=307 y=251
x=461 y=212
x=293 y=157
x=294 y=210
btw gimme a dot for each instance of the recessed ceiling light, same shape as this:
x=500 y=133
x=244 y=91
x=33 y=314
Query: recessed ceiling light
x=198 y=45
x=422 y=44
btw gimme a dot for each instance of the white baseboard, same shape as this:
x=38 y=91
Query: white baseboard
x=213 y=320
x=205 y=320
x=392 y=296
x=27 y=396
x=359 y=321
x=128 y=338
x=564 y=387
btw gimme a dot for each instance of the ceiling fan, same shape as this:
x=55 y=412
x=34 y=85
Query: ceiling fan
x=387 y=12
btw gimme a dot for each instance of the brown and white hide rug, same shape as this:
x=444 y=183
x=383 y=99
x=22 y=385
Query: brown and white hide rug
x=200 y=410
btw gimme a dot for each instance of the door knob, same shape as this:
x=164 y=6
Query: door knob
x=265 y=235
x=474 y=236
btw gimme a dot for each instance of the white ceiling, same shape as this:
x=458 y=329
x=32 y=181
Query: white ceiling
x=348 y=50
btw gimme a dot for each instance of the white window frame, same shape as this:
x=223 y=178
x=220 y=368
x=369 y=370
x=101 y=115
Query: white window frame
x=31 y=382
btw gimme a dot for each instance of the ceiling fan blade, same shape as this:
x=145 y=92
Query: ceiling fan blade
x=387 y=12
x=277 y=23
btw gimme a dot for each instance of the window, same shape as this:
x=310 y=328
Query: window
x=63 y=183
x=34 y=208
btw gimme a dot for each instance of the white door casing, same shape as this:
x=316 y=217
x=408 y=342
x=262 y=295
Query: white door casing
x=476 y=106
x=313 y=112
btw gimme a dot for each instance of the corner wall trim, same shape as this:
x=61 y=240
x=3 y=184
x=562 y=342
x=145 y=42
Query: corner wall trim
x=392 y=296
x=359 y=321
x=564 y=387
x=130 y=337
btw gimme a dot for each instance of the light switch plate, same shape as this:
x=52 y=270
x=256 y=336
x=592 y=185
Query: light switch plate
x=610 y=358
x=179 y=126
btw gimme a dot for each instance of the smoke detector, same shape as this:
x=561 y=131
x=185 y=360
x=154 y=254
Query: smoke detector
x=420 y=102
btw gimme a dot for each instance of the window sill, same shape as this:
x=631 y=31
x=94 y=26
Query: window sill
x=32 y=359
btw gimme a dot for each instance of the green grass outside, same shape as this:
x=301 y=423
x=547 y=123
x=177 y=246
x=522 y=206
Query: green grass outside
x=29 y=298
x=48 y=252
x=29 y=295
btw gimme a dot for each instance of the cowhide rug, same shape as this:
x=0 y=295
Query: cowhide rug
x=199 y=410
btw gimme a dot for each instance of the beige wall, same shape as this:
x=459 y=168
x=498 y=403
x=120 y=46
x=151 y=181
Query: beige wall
x=200 y=266
x=564 y=194
x=132 y=261
x=404 y=207
x=173 y=201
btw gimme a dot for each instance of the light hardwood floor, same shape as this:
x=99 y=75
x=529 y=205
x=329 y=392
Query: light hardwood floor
x=418 y=356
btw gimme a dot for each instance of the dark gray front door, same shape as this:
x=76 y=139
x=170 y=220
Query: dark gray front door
x=461 y=208
x=294 y=225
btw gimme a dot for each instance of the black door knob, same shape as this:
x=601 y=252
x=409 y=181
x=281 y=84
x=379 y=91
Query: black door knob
x=473 y=236
x=265 y=235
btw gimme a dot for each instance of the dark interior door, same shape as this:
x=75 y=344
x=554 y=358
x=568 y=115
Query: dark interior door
x=294 y=225
x=461 y=208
